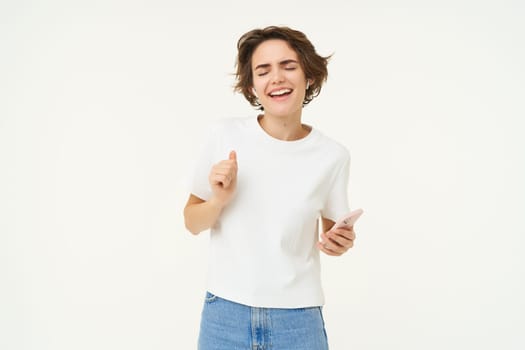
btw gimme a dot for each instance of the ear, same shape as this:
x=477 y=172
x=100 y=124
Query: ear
x=309 y=83
x=254 y=92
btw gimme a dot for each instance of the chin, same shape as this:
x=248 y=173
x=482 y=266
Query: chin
x=283 y=111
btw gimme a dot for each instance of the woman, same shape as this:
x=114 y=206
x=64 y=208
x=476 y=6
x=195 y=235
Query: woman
x=261 y=186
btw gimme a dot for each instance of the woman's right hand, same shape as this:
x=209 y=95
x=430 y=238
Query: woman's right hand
x=223 y=180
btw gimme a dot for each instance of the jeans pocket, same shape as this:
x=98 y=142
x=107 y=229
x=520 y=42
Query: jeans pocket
x=320 y=308
x=323 y=324
x=210 y=298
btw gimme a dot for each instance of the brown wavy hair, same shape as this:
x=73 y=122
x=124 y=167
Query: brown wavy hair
x=313 y=65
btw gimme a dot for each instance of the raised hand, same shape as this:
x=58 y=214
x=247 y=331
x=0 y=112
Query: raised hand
x=223 y=179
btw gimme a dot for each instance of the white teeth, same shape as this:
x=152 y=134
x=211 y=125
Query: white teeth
x=280 y=92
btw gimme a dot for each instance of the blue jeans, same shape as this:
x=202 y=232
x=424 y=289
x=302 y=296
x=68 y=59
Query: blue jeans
x=226 y=325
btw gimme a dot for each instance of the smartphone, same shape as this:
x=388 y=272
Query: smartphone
x=349 y=219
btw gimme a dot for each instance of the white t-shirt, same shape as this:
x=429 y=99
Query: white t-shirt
x=262 y=248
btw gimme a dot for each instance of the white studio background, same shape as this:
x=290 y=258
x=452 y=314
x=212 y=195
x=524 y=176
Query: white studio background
x=102 y=105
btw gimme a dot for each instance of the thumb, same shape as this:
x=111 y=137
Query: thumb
x=233 y=155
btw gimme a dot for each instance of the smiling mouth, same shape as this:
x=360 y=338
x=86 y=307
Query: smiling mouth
x=280 y=93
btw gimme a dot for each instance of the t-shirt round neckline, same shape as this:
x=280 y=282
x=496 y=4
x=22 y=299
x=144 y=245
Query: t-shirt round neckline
x=283 y=143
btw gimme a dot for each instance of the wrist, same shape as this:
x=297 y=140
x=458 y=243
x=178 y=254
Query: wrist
x=216 y=203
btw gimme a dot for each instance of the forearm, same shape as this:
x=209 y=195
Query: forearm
x=201 y=216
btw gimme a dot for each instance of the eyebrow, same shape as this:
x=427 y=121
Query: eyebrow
x=282 y=63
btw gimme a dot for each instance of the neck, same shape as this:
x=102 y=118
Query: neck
x=284 y=128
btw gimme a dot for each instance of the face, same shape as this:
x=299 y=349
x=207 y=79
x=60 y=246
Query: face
x=278 y=78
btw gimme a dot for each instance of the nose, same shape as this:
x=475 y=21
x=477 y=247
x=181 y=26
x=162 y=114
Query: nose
x=277 y=76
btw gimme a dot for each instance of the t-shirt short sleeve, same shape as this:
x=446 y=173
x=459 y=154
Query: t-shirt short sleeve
x=336 y=203
x=205 y=159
